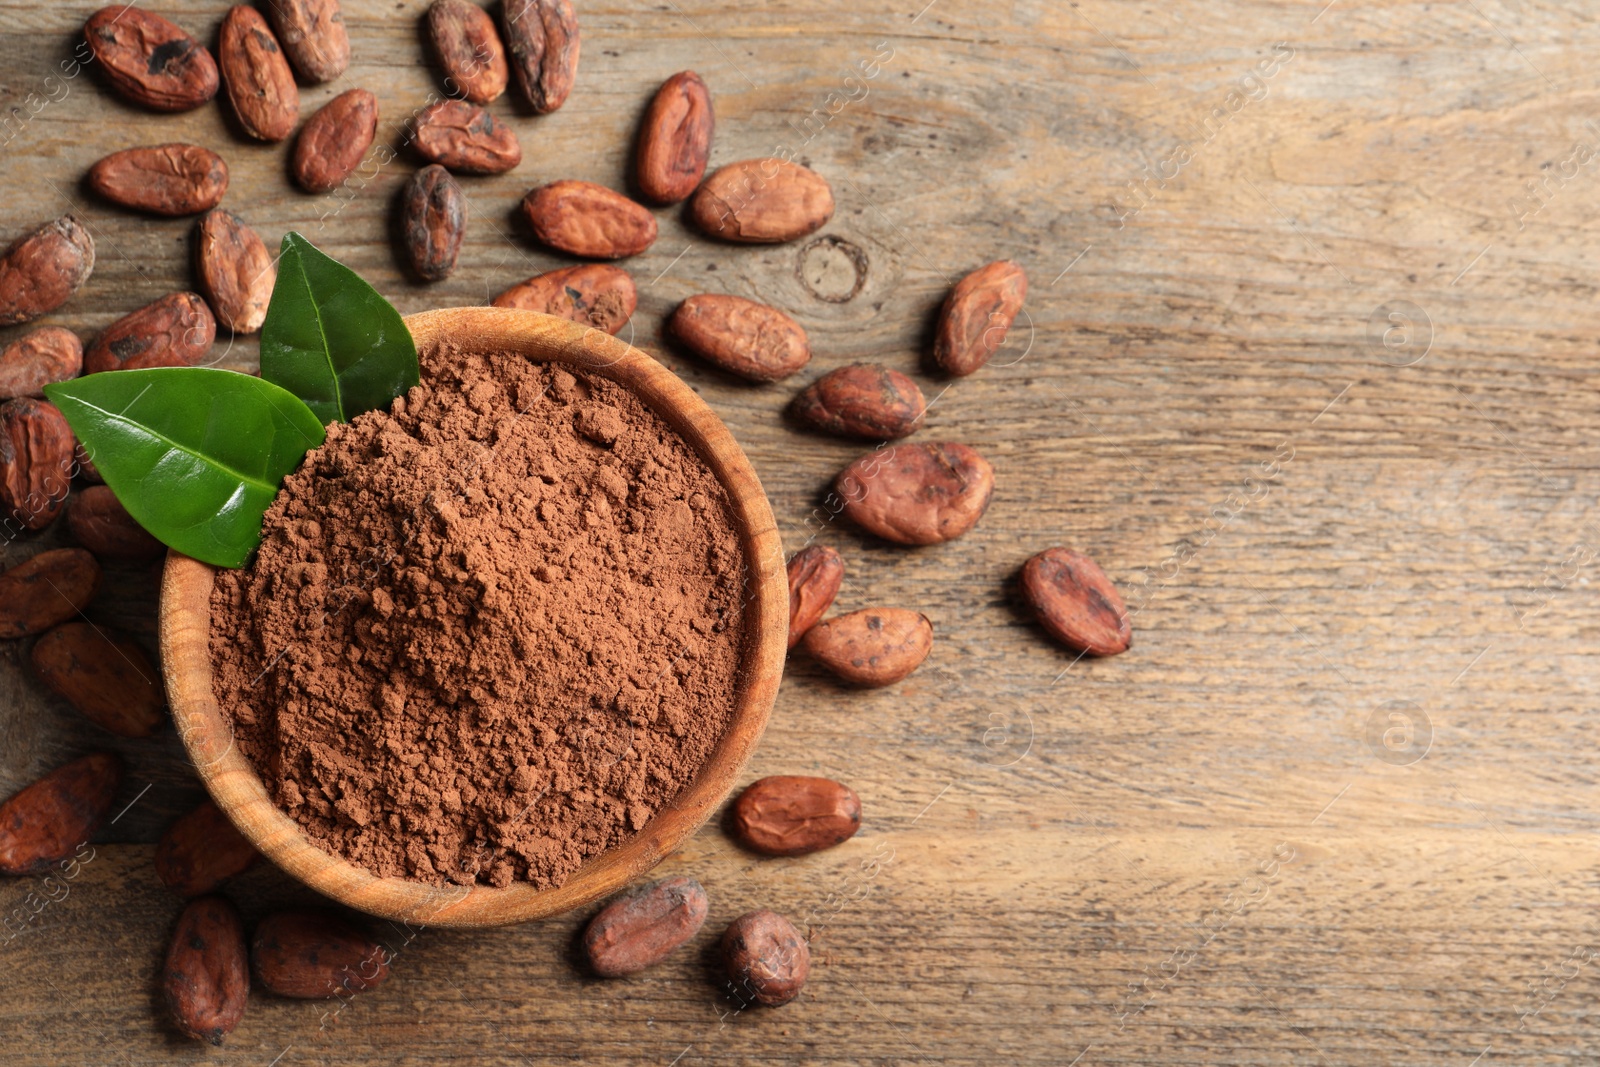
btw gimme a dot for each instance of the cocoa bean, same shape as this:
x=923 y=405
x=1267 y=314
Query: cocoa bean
x=591 y=294
x=589 y=220
x=101 y=524
x=742 y=337
x=861 y=400
x=815 y=574
x=206 y=979
x=433 y=218
x=766 y=958
x=542 y=37
x=236 y=271
x=315 y=954
x=48 y=589
x=47 y=820
x=175 y=331
x=85 y=465
x=643 y=928
x=104 y=674
x=36 y=447
x=256 y=74
x=34 y=360
x=313 y=37
x=792 y=815
x=762 y=201
x=469 y=50
x=465 y=138
x=976 y=315
x=163 y=179
x=1076 y=603
x=872 y=647
x=917 y=494
x=333 y=141
x=201 y=850
x=149 y=60
x=42 y=269
x=675 y=140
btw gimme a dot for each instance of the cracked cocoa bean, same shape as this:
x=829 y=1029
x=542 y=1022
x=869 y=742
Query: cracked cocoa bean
x=592 y=294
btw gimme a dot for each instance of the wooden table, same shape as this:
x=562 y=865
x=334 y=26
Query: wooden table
x=1310 y=369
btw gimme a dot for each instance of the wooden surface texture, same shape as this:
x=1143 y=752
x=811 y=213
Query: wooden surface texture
x=1309 y=367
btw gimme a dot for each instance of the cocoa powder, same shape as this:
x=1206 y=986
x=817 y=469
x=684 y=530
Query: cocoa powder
x=490 y=632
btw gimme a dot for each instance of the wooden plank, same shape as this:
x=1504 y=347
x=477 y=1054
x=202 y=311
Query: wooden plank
x=1077 y=848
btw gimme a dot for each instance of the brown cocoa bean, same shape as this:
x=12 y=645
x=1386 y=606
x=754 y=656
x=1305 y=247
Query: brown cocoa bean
x=465 y=138
x=591 y=294
x=675 y=140
x=46 y=590
x=792 y=815
x=175 y=331
x=333 y=141
x=1076 y=603
x=163 y=179
x=42 y=269
x=313 y=37
x=34 y=360
x=149 y=60
x=101 y=524
x=861 y=400
x=236 y=271
x=36 y=447
x=104 y=674
x=917 y=494
x=315 y=954
x=433 y=218
x=976 y=315
x=643 y=928
x=206 y=979
x=589 y=220
x=201 y=850
x=762 y=201
x=740 y=336
x=766 y=958
x=542 y=37
x=815 y=574
x=85 y=465
x=47 y=820
x=872 y=647
x=256 y=74
x=469 y=50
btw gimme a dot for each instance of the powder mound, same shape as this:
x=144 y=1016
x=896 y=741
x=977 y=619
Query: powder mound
x=488 y=633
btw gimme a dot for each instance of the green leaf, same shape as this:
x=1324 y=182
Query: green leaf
x=195 y=455
x=331 y=340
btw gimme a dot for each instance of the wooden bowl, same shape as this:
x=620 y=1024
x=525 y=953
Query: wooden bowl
x=238 y=791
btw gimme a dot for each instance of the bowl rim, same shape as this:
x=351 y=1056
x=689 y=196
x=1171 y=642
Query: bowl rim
x=231 y=780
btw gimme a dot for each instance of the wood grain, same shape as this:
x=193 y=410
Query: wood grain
x=1058 y=859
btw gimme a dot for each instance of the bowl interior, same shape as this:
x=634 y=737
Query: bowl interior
x=232 y=781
